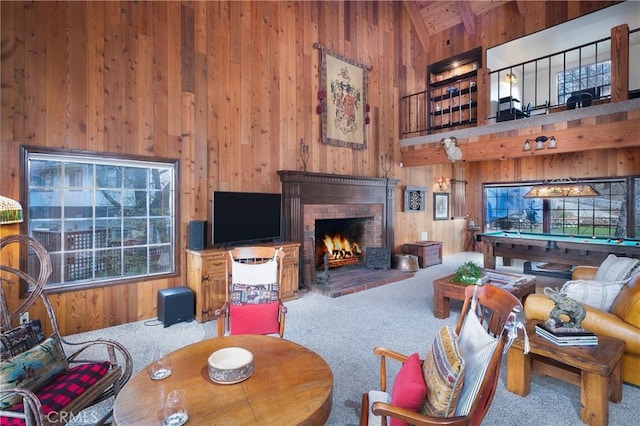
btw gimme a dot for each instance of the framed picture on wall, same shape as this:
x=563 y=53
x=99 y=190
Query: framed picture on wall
x=440 y=206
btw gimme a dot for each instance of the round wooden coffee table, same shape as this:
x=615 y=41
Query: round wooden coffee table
x=290 y=385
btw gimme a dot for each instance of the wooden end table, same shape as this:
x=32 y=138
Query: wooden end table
x=290 y=385
x=596 y=369
x=444 y=290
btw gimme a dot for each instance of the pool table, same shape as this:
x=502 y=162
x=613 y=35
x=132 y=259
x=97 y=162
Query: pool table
x=553 y=248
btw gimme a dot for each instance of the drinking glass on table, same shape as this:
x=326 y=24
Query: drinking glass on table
x=160 y=365
x=175 y=409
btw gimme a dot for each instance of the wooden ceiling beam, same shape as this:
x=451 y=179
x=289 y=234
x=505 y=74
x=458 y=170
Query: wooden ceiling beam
x=619 y=130
x=466 y=14
x=522 y=6
x=418 y=24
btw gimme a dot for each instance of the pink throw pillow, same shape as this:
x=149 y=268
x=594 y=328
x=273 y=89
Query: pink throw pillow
x=260 y=318
x=409 y=388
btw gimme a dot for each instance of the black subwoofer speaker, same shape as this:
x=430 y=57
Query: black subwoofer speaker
x=197 y=234
x=175 y=305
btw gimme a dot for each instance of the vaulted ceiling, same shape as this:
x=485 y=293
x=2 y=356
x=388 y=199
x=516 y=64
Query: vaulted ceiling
x=437 y=16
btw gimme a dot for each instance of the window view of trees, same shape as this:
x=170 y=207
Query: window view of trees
x=593 y=78
x=602 y=216
x=102 y=219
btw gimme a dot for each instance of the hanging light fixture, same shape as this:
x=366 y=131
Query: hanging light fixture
x=511 y=78
x=10 y=211
x=562 y=188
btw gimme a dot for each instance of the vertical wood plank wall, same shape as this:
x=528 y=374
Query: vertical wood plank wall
x=229 y=89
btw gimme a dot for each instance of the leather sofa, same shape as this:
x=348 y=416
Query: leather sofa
x=621 y=322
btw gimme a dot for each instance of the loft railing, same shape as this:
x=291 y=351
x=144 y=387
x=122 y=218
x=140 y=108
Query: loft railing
x=440 y=108
x=540 y=86
x=580 y=76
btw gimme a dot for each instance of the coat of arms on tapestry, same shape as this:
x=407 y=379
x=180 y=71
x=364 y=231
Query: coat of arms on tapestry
x=343 y=95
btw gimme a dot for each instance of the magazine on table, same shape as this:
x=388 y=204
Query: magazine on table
x=563 y=338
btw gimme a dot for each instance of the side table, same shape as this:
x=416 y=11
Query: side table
x=429 y=252
x=596 y=369
x=444 y=290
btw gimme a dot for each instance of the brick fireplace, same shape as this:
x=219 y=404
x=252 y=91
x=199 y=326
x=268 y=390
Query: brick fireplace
x=360 y=225
x=308 y=197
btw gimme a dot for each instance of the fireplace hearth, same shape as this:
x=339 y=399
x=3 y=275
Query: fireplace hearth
x=310 y=198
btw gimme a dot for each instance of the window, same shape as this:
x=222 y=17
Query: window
x=603 y=216
x=594 y=78
x=507 y=209
x=101 y=218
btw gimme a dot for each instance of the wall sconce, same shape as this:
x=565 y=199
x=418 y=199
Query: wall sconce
x=443 y=183
x=540 y=141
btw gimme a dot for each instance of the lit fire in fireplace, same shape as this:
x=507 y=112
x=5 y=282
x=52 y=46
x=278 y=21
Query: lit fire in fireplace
x=340 y=251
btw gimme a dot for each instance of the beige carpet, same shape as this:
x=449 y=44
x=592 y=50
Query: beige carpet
x=344 y=331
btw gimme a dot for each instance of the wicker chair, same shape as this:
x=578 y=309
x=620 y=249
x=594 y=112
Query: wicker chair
x=33 y=409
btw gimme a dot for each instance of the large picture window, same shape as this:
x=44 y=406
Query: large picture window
x=603 y=216
x=101 y=218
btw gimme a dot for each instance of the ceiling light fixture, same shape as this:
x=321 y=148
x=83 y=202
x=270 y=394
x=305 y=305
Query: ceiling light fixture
x=10 y=211
x=562 y=188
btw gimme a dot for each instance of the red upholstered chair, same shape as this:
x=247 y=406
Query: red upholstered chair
x=40 y=384
x=487 y=321
x=252 y=304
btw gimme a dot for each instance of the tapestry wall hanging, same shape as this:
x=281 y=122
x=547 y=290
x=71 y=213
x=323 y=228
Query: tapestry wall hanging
x=343 y=98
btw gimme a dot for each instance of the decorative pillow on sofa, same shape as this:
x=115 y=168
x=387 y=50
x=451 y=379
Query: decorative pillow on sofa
x=600 y=295
x=443 y=370
x=409 y=389
x=616 y=269
x=20 y=339
x=33 y=368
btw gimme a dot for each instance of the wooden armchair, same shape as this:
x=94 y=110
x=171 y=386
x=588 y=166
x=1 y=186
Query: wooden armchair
x=253 y=302
x=495 y=310
x=39 y=383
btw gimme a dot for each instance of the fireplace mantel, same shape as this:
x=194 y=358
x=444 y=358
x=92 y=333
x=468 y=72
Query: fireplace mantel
x=300 y=188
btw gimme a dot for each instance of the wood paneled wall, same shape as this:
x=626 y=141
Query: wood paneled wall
x=229 y=89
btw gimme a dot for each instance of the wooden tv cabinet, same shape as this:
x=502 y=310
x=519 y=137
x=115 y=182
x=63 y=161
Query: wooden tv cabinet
x=205 y=276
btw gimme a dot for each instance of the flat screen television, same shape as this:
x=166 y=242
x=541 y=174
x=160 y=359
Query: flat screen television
x=245 y=217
